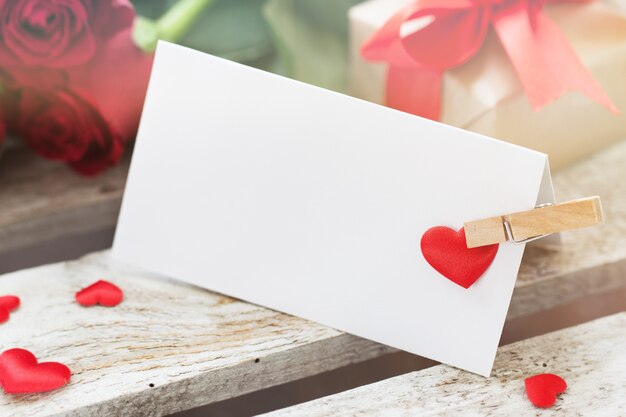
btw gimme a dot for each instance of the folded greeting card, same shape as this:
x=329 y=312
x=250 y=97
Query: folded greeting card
x=325 y=206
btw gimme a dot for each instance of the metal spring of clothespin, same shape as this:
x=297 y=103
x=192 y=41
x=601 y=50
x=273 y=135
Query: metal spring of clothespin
x=529 y=225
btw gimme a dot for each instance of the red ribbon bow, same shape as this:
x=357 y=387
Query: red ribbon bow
x=455 y=30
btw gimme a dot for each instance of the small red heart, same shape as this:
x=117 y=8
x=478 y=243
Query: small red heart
x=8 y=303
x=21 y=374
x=101 y=292
x=447 y=252
x=542 y=389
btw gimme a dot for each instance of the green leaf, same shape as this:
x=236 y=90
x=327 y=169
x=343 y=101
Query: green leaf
x=312 y=39
x=145 y=34
x=152 y=9
x=180 y=18
x=232 y=29
x=171 y=25
x=327 y=15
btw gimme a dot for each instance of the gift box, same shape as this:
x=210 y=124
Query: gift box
x=485 y=95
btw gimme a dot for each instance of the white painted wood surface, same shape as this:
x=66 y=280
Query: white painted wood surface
x=197 y=347
x=591 y=358
x=42 y=201
x=590 y=261
x=194 y=346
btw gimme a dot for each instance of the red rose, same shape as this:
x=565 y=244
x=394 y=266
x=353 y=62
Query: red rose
x=58 y=33
x=117 y=79
x=75 y=77
x=63 y=125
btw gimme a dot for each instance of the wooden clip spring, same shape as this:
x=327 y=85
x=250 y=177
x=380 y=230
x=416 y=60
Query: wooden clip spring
x=541 y=221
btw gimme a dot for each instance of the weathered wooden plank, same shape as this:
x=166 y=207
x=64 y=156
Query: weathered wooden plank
x=170 y=338
x=590 y=261
x=590 y=357
x=43 y=201
x=168 y=347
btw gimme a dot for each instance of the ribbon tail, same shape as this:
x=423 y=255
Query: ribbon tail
x=543 y=59
x=516 y=35
x=414 y=90
x=561 y=58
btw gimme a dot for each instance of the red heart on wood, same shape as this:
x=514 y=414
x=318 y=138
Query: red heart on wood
x=101 y=292
x=21 y=374
x=446 y=251
x=542 y=389
x=8 y=303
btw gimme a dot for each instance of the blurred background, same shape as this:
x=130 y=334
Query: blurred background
x=73 y=76
x=72 y=82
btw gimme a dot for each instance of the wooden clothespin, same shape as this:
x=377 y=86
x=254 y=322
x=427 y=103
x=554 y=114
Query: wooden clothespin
x=543 y=220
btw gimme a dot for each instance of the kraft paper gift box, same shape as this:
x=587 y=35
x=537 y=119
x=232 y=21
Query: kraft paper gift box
x=484 y=95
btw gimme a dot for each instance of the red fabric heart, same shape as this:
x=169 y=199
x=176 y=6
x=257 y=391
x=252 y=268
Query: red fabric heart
x=542 y=389
x=21 y=374
x=447 y=252
x=100 y=292
x=8 y=303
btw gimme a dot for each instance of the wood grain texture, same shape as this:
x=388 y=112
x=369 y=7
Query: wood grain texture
x=555 y=218
x=560 y=217
x=484 y=232
x=42 y=200
x=589 y=261
x=195 y=347
x=590 y=357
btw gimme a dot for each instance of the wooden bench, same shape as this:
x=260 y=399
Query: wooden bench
x=49 y=213
x=591 y=358
x=168 y=347
x=171 y=347
x=43 y=205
